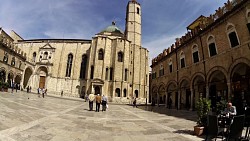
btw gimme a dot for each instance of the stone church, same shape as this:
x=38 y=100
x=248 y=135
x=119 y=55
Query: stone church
x=112 y=63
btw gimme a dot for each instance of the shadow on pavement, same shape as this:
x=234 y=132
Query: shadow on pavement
x=185 y=114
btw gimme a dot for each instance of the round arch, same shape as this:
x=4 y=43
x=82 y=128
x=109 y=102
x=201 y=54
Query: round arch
x=154 y=94
x=172 y=94
x=218 y=89
x=2 y=74
x=27 y=75
x=42 y=72
x=199 y=86
x=162 y=94
x=185 y=94
x=240 y=84
x=235 y=63
x=216 y=68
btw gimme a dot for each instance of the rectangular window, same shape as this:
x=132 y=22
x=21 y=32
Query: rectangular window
x=196 y=57
x=233 y=39
x=212 y=49
x=161 y=72
x=170 y=68
x=182 y=63
x=92 y=72
x=111 y=74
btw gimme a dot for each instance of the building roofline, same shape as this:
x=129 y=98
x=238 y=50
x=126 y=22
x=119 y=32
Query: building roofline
x=55 y=40
x=17 y=34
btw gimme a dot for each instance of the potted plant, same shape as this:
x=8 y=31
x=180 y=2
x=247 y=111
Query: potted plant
x=220 y=106
x=203 y=106
x=5 y=86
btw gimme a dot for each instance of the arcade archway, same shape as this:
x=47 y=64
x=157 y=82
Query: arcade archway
x=240 y=80
x=2 y=75
x=217 y=88
x=27 y=74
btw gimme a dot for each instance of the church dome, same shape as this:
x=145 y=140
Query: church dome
x=112 y=29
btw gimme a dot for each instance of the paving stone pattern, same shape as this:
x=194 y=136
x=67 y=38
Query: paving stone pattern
x=26 y=117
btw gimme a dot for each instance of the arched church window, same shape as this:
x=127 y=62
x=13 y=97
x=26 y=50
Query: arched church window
x=138 y=10
x=120 y=57
x=111 y=74
x=212 y=46
x=124 y=93
x=13 y=62
x=117 y=92
x=100 y=54
x=69 y=65
x=34 y=57
x=45 y=55
x=83 y=66
x=107 y=73
x=232 y=35
x=5 y=58
x=126 y=75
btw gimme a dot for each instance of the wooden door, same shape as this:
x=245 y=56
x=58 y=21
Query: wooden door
x=42 y=82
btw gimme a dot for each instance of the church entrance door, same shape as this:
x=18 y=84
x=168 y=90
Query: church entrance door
x=42 y=82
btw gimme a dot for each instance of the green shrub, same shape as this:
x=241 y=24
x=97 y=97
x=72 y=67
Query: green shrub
x=6 y=85
x=203 y=106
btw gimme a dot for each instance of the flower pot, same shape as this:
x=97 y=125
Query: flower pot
x=198 y=130
x=5 y=89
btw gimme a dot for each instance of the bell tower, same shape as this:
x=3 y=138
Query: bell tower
x=133 y=23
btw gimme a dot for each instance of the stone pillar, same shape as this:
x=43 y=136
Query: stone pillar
x=158 y=99
x=207 y=91
x=229 y=89
x=192 y=99
x=179 y=99
x=166 y=100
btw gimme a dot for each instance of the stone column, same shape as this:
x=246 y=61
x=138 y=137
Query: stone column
x=158 y=99
x=192 y=99
x=179 y=99
x=166 y=100
x=229 y=89
x=207 y=91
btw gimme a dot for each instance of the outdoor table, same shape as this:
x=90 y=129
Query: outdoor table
x=224 y=121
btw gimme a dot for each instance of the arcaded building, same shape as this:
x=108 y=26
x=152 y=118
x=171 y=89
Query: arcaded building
x=212 y=60
x=12 y=60
x=112 y=63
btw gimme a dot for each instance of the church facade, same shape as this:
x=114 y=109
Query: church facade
x=211 y=61
x=113 y=63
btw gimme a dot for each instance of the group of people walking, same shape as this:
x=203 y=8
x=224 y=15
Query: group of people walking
x=100 y=100
x=41 y=90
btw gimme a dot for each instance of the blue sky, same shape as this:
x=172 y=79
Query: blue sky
x=162 y=20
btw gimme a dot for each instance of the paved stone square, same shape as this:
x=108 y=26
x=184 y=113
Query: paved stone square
x=27 y=117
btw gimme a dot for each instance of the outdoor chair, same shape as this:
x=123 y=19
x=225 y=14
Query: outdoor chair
x=213 y=129
x=235 y=129
x=247 y=122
